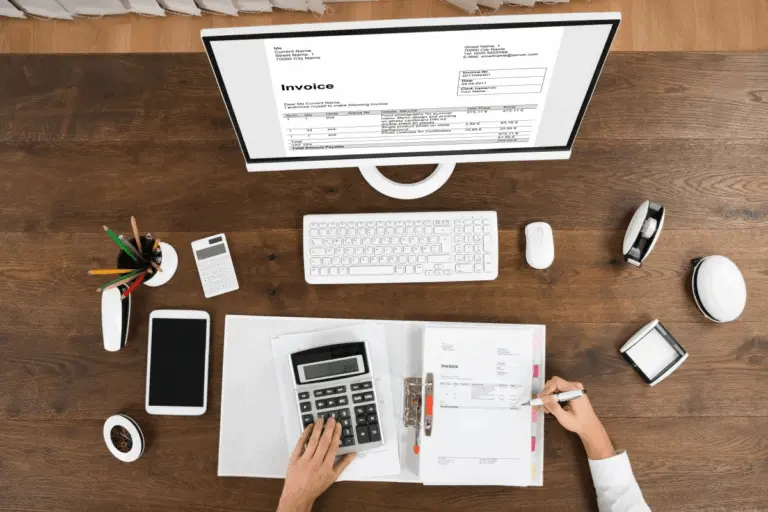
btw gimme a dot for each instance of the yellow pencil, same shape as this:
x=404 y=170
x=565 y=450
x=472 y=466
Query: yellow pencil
x=136 y=234
x=157 y=244
x=107 y=271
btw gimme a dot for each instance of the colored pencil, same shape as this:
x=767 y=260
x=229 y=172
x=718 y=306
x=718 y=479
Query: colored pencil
x=156 y=266
x=107 y=271
x=155 y=245
x=136 y=234
x=120 y=244
x=132 y=248
x=133 y=286
x=121 y=280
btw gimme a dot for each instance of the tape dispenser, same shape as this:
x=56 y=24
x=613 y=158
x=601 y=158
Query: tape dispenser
x=643 y=232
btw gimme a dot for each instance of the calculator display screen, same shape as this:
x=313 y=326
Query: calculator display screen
x=209 y=252
x=331 y=368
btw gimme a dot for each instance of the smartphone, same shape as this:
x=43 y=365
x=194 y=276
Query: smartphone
x=177 y=362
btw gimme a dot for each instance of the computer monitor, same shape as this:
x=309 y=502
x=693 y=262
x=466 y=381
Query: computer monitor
x=447 y=90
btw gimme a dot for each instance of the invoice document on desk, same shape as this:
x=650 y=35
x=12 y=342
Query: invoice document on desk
x=481 y=435
x=398 y=93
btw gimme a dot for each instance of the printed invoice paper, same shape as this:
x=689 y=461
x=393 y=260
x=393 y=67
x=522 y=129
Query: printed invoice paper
x=481 y=435
x=393 y=93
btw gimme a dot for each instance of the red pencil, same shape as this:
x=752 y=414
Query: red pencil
x=133 y=286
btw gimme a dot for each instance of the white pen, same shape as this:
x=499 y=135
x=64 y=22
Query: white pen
x=561 y=397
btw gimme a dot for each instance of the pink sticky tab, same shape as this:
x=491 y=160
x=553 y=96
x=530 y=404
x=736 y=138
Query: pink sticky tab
x=535 y=371
x=534 y=414
x=533 y=443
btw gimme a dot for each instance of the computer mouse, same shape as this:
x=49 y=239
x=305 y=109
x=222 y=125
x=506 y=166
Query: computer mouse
x=539 y=245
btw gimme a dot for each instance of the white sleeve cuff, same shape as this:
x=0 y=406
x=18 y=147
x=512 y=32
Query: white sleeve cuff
x=612 y=471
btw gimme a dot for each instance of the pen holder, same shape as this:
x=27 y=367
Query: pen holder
x=165 y=256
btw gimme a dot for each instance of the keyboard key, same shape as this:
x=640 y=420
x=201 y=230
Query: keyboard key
x=372 y=270
x=304 y=395
x=305 y=406
x=363 y=435
x=375 y=433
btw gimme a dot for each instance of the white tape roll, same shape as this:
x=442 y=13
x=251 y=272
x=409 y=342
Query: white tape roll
x=134 y=441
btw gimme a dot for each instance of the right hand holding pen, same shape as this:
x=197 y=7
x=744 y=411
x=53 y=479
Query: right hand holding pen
x=577 y=416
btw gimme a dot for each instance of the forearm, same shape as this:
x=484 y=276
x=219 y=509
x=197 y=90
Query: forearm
x=294 y=504
x=596 y=442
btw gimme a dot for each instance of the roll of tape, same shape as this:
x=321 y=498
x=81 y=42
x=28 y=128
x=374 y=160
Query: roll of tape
x=123 y=437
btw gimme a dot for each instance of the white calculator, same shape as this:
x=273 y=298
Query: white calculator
x=214 y=264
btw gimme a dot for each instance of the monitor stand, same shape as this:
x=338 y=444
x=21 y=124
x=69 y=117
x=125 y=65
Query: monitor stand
x=407 y=190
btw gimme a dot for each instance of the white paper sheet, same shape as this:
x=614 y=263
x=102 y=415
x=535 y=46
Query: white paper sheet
x=252 y=5
x=382 y=461
x=10 y=10
x=481 y=434
x=44 y=9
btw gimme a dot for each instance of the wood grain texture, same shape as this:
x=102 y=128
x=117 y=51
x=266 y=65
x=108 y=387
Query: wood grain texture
x=80 y=135
x=659 y=25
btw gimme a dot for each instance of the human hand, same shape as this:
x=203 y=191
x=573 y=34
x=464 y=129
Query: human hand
x=577 y=416
x=312 y=469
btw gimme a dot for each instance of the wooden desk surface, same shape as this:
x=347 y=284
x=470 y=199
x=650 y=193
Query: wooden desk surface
x=91 y=140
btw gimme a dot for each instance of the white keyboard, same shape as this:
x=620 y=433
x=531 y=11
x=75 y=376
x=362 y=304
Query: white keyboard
x=401 y=247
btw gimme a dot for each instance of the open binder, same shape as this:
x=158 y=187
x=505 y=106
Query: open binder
x=255 y=424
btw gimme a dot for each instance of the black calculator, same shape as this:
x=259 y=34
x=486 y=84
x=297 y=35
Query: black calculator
x=336 y=381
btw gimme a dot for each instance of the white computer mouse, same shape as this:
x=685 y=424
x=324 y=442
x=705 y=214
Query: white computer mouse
x=539 y=245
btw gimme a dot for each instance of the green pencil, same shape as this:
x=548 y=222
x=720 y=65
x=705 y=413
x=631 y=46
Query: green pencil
x=120 y=244
x=125 y=277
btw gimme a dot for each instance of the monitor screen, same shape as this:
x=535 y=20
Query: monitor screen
x=448 y=88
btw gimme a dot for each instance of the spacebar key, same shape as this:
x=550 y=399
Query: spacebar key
x=371 y=271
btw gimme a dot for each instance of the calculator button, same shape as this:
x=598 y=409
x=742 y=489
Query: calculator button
x=375 y=433
x=349 y=441
x=372 y=418
x=342 y=400
x=363 y=435
x=304 y=395
x=370 y=409
x=367 y=396
x=366 y=385
x=340 y=389
x=321 y=404
x=332 y=414
x=331 y=402
x=319 y=392
x=354 y=387
x=346 y=432
x=329 y=391
x=323 y=415
x=361 y=420
x=359 y=411
x=305 y=406
x=307 y=420
x=343 y=413
x=346 y=422
x=356 y=399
